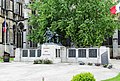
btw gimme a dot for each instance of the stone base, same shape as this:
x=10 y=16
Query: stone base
x=51 y=51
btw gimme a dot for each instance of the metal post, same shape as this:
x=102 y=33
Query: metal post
x=43 y=79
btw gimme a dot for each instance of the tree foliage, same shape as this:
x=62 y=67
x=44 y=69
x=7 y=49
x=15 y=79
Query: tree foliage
x=84 y=22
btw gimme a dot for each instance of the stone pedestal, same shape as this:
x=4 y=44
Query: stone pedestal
x=51 y=51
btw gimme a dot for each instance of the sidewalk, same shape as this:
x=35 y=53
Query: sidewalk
x=116 y=64
x=20 y=71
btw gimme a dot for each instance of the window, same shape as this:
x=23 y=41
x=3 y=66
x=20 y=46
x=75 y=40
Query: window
x=14 y=34
x=57 y=52
x=25 y=53
x=0 y=3
x=72 y=53
x=7 y=4
x=82 y=53
x=3 y=3
x=32 y=53
x=19 y=9
x=38 y=53
x=93 y=53
x=13 y=6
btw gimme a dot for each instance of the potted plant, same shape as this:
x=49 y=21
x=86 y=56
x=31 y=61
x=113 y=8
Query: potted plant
x=109 y=66
x=81 y=63
x=105 y=65
x=90 y=64
x=97 y=64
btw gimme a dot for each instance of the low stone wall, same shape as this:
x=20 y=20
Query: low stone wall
x=27 y=54
x=52 y=52
x=92 y=55
x=63 y=54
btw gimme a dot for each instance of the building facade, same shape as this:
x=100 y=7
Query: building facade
x=15 y=19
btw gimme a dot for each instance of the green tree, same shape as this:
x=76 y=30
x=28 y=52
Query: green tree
x=84 y=22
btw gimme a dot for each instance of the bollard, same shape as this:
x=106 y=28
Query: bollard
x=42 y=78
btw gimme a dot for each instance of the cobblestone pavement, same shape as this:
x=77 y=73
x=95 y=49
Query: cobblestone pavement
x=27 y=71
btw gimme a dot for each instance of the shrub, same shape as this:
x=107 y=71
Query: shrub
x=47 y=61
x=83 y=77
x=38 y=61
x=35 y=62
x=90 y=64
x=1 y=59
x=42 y=61
x=105 y=65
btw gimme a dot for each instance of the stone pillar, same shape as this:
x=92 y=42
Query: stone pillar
x=25 y=24
x=17 y=55
x=115 y=44
x=63 y=54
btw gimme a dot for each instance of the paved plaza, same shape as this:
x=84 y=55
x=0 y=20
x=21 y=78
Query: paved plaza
x=27 y=71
